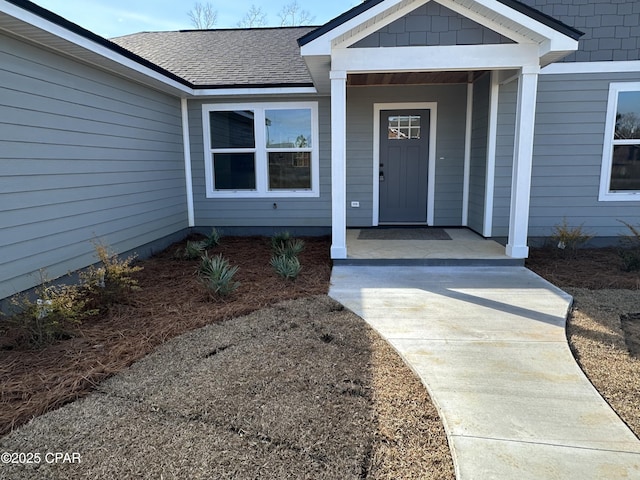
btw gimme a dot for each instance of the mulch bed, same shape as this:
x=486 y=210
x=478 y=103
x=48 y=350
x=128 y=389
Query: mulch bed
x=169 y=303
x=592 y=268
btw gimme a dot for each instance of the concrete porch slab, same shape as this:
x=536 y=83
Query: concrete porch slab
x=464 y=245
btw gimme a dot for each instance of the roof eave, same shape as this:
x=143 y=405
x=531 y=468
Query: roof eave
x=66 y=37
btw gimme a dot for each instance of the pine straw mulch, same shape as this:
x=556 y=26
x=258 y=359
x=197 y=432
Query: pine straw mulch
x=295 y=389
x=604 y=326
x=170 y=302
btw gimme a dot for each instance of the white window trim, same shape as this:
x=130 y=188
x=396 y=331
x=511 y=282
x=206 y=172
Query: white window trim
x=605 y=194
x=261 y=169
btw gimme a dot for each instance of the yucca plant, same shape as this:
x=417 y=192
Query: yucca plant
x=286 y=267
x=290 y=248
x=213 y=239
x=216 y=275
x=279 y=239
x=193 y=250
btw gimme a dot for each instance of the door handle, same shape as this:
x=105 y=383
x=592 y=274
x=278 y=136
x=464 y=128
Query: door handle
x=381 y=176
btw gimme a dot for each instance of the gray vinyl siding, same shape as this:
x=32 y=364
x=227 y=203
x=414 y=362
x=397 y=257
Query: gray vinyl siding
x=260 y=212
x=611 y=27
x=569 y=139
x=451 y=100
x=84 y=155
x=507 y=99
x=478 y=165
x=431 y=24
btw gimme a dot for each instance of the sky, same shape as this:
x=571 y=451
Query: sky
x=113 y=18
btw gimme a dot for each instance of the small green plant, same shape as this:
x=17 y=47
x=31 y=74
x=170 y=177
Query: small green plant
x=49 y=317
x=279 y=239
x=630 y=248
x=291 y=248
x=216 y=275
x=568 y=239
x=213 y=239
x=111 y=281
x=286 y=267
x=193 y=250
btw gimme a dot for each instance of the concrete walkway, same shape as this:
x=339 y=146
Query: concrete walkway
x=489 y=344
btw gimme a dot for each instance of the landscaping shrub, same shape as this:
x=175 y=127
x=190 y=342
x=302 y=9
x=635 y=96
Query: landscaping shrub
x=216 y=275
x=111 y=281
x=569 y=239
x=48 y=317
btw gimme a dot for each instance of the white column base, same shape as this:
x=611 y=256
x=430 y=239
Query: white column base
x=338 y=252
x=517 y=251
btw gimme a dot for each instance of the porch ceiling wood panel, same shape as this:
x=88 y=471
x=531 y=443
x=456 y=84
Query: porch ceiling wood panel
x=412 y=78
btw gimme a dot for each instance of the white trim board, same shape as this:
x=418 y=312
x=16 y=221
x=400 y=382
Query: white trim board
x=240 y=91
x=186 y=142
x=591 y=67
x=604 y=194
x=431 y=180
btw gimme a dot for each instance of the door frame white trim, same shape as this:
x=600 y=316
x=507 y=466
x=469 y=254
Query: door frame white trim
x=431 y=180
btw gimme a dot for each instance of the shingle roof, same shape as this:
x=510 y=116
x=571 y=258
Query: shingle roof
x=256 y=57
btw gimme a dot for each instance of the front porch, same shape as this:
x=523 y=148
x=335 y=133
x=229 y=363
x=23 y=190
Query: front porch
x=462 y=247
x=415 y=62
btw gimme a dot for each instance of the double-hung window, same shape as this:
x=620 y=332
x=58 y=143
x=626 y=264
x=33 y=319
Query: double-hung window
x=620 y=175
x=261 y=149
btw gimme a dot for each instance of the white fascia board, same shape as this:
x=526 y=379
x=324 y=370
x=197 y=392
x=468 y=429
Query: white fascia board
x=454 y=57
x=87 y=44
x=592 y=67
x=322 y=45
x=524 y=20
x=231 y=92
x=374 y=24
x=484 y=21
x=564 y=44
x=554 y=39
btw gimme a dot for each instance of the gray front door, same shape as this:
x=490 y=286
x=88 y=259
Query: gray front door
x=404 y=154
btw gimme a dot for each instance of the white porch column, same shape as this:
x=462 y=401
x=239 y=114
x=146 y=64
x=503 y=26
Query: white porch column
x=522 y=161
x=338 y=164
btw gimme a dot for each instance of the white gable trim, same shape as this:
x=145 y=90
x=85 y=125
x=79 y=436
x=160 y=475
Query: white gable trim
x=371 y=18
x=363 y=30
x=491 y=14
x=530 y=27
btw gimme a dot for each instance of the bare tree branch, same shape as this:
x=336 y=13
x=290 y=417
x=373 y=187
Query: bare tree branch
x=292 y=15
x=255 y=17
x=203 y=16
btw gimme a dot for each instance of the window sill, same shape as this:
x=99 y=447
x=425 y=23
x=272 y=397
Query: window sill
x=255 y=194
x=620 y=197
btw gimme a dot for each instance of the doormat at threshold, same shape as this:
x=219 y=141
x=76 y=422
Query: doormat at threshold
x=403 y=234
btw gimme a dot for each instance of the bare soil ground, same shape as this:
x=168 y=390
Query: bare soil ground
x=604 y=326
x=300 y=388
